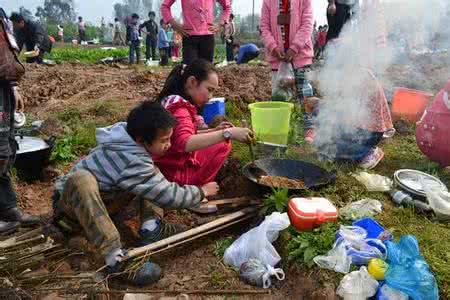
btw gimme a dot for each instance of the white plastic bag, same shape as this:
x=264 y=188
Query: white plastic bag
x=336 y=259
x=388 y=293
x=439 y=201
x=257 y=242
x=362 y=208
x=257 y=274
x=374 y=182
x=358 y=285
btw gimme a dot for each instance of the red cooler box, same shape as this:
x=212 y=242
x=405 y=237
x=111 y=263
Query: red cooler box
x=308 y=213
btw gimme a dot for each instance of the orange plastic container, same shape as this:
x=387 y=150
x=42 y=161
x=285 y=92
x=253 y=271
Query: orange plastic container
x=409 y=104
x=308 y=213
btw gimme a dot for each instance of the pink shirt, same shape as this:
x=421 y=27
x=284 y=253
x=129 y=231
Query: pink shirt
x=198 y=15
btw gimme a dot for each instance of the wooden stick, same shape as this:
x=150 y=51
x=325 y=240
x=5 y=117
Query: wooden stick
x=241 y=200
x=200 y=235
x=193 y=292
x=190 y=233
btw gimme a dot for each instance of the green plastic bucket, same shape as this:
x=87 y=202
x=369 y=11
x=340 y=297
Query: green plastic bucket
x=270 y=121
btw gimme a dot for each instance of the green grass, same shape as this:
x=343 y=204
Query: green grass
x=400 y=152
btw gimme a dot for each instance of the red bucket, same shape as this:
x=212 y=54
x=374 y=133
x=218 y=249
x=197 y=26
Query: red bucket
x=409 y=104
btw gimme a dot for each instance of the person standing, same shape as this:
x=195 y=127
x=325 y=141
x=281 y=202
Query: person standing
x=134 y=39
x=198 y=29
x=169 y=32
x=118 y=33
x=81 y=30
x=286 y=29
x=177 y=41
x=11 y=71
x=230 y=30
x=339 y=13
x=61 y=33
x=163 y=44
x=33 y=36
x=151 y=39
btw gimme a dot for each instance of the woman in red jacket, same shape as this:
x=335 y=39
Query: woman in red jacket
x=195 y=156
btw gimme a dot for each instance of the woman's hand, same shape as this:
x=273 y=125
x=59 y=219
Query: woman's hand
x=180 y=28
x=331 y=9
x=210 y=189
x=224 y=125
x=278 y=53
x=242 y=135
x=289 y=55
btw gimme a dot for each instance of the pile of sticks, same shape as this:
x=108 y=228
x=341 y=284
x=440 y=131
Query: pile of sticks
x=24 y=252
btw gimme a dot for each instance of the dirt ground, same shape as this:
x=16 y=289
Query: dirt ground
x=48 y=90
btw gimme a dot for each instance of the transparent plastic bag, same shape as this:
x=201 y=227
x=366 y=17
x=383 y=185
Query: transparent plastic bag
x=284 y=83
x=408 y=272
x=336 y=259
x=256 y=273
x=374 y=182
x=257 y=242
x=359 y=248
x=362 y=208
x=357 y=285
x=388 y=293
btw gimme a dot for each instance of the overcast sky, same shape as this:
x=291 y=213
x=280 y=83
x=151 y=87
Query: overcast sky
x=94 y=10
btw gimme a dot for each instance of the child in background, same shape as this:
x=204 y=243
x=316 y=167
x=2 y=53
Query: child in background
x=286 y=29
x=119 y=170
x=169 y=32
x=177 y=42
x=134 y=39
x=195 y=157
x=321 y=41
x=163 y=44
x=60 y=33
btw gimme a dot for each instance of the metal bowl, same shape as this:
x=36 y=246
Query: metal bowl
x=412 y=181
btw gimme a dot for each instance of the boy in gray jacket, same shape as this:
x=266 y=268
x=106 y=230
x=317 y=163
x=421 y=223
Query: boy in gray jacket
x=119 y=169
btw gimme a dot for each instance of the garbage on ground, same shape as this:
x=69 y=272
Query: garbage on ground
x=374 y=182
x=284 y=85
x=357 y=285
x=309 y=213
x=257 y=242
x=254 y=272
x=359 y=247
x=388 y=293
x=408 y=271
x=373 y=228
x=414 y=182
x=439 y=201
x=360 y=209
x=336 y=259
x=377 y=268
x=403 y=198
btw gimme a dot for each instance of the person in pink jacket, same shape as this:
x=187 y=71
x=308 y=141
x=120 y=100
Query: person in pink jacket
x=198 y=29
x=286 y=29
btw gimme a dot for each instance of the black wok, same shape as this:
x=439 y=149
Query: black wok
x=312 y=175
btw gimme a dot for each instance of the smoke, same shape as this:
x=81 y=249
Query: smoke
x=379 y=36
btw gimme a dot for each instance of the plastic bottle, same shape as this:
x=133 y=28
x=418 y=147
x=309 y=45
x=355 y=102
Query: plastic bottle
x=404 y=199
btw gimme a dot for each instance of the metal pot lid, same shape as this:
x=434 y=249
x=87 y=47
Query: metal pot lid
x=30 y=144
x=413 y=181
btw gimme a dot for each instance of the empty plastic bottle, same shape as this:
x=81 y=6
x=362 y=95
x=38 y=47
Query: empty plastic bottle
x=404 y=199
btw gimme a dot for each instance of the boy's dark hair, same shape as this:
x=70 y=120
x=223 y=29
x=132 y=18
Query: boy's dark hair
x=231 y=16
x=152 y=14
x=135 y=16
x=146 y=119
x=116 y=19
x=177 y=78
x=80 y=18
x=161 y=22
x=16 y=17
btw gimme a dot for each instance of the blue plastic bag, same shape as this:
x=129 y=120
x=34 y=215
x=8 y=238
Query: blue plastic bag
x=408 y=271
